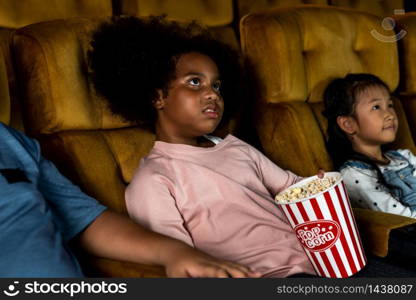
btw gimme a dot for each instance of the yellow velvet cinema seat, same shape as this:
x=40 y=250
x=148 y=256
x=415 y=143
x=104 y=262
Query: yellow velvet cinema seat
x=249 y=6
x=95 y=149
x=218 y=15
x=382 y=8
x=15 y=14
x=14 y=115
x=10 y=113
x=294 y=54
x=6 y=76
x=406 y=36
x=4 y=92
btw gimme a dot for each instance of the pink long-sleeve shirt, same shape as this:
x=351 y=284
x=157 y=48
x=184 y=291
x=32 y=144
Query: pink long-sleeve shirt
x=219 y=200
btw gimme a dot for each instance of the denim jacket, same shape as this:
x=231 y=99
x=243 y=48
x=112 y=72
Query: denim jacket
x=401 y=182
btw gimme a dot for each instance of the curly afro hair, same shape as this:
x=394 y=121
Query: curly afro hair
x=132 y=58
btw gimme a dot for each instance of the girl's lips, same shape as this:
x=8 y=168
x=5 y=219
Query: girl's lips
x=212 y=114
x=390 y=128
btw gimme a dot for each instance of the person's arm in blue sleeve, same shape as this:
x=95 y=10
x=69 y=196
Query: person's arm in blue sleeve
x=115 y=236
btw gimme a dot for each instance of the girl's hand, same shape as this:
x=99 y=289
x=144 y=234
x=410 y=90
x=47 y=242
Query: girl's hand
x=321 y=173
x=189 y=262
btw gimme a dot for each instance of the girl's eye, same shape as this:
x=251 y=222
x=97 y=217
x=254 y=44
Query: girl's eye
x=375 y=107
x=194 y=82
x=391 y=105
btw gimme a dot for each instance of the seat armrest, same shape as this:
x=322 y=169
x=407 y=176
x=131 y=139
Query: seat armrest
x=101 y=267
x=375 y=228
x=402 y=245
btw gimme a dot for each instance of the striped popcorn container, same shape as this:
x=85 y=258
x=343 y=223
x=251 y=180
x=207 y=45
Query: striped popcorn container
x=325 y=226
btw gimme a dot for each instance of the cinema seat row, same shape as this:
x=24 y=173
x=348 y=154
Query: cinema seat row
x=293 y=54
x=222 y=16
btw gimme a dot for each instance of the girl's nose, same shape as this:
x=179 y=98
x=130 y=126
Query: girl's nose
x=212 y=94
x=389 y=115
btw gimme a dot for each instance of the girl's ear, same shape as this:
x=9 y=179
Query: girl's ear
x=347 y=124
x=159 y=102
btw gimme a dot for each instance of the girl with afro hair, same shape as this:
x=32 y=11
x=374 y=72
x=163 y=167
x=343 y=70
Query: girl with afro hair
x=214 y=194
x=134 y=59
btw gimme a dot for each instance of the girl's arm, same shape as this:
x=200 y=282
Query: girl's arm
x=365 y=191
x=114 y=236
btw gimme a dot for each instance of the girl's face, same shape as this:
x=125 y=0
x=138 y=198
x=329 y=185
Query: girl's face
x=193 y=105
x=375 y=119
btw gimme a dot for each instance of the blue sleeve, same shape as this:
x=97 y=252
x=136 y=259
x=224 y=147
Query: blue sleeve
x=31 y=146
x=72 y=209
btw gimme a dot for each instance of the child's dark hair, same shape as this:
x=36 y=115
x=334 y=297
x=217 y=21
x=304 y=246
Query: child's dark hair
x=132 y=58
x=340 y=98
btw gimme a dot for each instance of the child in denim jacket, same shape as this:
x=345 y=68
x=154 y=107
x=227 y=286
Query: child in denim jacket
x=361 y=120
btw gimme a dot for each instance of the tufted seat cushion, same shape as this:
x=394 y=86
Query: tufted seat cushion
x=210 y=13
x=407 y=49
x=249 y=6
x=65 y=113
x=311 y=51
x=14 y=113
x=15 y=14
x=218 y=15
x=376 y=7
x=294 y=55
x=4 y=92
x=57 y=51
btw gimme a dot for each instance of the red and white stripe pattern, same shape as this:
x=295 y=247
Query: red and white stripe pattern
x=344 y=255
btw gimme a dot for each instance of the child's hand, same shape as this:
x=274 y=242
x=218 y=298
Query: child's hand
x=321 y=173
x=189 y=262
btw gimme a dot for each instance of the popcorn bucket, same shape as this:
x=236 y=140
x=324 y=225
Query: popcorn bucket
x=325 y=226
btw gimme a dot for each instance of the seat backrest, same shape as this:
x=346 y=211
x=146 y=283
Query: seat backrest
x=15 y=14
x=209 y=12
x=406 y=36
x=4 y=92
x=249 y=6
x=216 y=14
x=96 y=149
x=14 y=115
x=381 y=8
x=295 y=55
